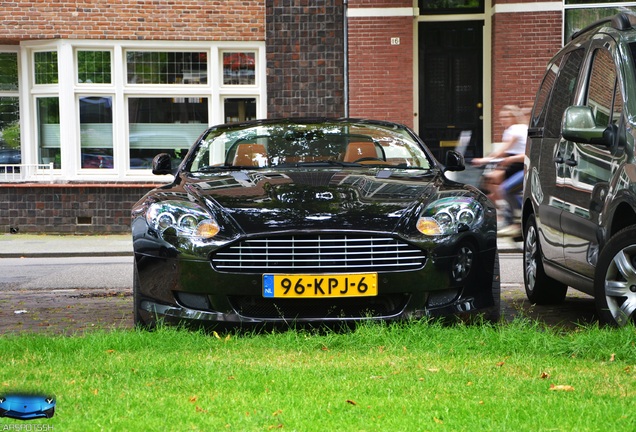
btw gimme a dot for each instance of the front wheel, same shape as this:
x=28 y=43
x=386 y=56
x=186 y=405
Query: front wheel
x=615 y=279
x=540 y=288
x=137 y=319
x=494 y=314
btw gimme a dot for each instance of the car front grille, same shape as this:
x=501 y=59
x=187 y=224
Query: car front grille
x=319 y=253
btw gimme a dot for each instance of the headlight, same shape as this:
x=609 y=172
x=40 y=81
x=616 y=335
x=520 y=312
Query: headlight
x=188 y=219
x=450 y=216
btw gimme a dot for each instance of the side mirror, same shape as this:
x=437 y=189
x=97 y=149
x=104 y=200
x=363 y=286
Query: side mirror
x=454 y=161
x=162 y=164
x=579 y=126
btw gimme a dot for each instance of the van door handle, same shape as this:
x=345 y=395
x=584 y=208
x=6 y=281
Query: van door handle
x=571 y=162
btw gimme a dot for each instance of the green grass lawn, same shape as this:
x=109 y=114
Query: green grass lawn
x=404 y=377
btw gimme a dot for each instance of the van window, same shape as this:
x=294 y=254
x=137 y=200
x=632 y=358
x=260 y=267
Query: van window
x=543 y=95
x=602 y=90
x=563 y=94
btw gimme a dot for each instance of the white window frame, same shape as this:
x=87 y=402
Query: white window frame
x=70 y=90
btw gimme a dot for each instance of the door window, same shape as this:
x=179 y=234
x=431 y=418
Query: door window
x=563 y=93
x=538 y=113
x=603 y=95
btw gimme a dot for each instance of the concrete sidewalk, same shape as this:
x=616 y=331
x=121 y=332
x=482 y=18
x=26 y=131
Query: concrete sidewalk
x=40 y=246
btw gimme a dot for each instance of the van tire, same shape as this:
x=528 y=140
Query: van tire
x=615 y=279
x=540 y=288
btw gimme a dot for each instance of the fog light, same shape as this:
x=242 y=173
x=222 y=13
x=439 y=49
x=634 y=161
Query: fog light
x=193 y=301
x=441 y=298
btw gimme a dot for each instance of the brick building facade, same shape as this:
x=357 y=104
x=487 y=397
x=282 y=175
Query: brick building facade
x=523 y=40
x=381 y=74
x=101 y=86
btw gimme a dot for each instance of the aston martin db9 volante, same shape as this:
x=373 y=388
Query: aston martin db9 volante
x=312 y=220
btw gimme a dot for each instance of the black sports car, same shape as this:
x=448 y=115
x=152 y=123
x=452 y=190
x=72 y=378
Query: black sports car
x=312 y=220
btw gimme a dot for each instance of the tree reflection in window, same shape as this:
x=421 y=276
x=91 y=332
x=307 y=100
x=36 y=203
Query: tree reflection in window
x=157 y=67
x=239 y=68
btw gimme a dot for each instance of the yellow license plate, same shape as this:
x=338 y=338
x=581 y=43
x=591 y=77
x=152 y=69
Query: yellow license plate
x=319 y=286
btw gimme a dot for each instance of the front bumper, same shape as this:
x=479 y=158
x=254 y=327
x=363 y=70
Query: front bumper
x=174 y=290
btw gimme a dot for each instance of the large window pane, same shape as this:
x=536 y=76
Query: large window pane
x=45 y=67
x=93 y=67
x=450 y=6
x=48 y=112
x=164 y=125
x=96 y=131
x=239 y=109
x=577 y=19
x=156 y=67
x=239 y=68
x=8 y=71
x=10 y=152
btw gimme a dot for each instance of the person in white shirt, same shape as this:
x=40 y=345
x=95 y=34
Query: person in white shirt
x=507 y=154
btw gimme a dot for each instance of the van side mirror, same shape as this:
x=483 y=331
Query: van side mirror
x=162 y=164
x=454 y=161
x=579 y=126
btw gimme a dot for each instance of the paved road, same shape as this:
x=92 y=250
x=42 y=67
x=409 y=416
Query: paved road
x=68 y=295
x=66 y=273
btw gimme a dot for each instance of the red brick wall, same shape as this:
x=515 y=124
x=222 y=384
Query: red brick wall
x=235 y=20
x=381 y=74
x=522 y=44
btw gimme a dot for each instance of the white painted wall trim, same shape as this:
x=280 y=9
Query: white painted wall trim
x=528 y=7
x=382 y=12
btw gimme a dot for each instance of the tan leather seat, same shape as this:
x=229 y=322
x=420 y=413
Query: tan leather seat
x=359 y=150
x=250 y=155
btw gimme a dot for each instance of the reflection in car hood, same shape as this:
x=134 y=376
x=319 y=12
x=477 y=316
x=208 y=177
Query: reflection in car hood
x=315 y=199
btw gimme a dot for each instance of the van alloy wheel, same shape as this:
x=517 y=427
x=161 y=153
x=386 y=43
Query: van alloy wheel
x=540 y=288
x=615 y=282
x=530 y=251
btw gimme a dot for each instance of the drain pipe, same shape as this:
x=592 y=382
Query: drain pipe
x=346 y=57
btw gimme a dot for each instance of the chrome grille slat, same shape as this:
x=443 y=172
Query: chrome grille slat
x=319 y=253
x=297 y=260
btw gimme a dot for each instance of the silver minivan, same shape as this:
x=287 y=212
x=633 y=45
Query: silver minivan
x=579 y=203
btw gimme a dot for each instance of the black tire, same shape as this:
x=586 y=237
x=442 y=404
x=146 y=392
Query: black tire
x=137 y=319
x=494 y=313
x=540 y=288
x=615 y=279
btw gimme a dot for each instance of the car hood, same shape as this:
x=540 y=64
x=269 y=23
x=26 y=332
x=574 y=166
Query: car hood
x=332 y=199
